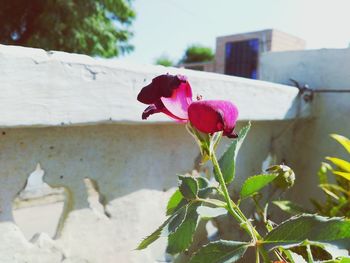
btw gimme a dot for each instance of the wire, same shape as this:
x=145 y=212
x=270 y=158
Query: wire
x=305 y=88
x=330 y=90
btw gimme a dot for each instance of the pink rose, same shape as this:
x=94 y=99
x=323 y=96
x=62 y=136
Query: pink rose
x=172 y=95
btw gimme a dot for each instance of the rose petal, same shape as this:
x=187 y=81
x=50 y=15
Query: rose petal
x=168 y=94
x=180 y=100
x=149 y=94
x=161 y=86
x=211 y=116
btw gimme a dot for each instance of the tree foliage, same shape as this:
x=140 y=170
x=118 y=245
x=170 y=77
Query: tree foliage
x=164 y=61
x=197 y=53
x=93 y=27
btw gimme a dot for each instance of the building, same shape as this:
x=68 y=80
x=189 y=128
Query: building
x=238 y=54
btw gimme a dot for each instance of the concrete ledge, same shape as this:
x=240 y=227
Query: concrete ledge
x=320 y=68
x=40 y=88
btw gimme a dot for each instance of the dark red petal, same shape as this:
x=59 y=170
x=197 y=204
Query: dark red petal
x=161 y=86
x=149 y=94
x=211 y=116
x=152 y=109
x=231 y=134
x=156 y=108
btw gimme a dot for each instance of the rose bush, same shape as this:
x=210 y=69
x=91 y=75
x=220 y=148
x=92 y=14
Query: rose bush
x=295 y=240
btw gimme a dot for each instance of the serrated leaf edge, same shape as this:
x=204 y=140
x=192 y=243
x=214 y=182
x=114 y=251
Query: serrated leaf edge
x=220 y=241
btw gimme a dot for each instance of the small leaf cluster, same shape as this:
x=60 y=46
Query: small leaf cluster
x=337 y=194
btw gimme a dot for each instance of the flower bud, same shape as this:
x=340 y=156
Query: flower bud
x=286 y=175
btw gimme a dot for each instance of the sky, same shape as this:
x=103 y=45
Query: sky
x=168 y=27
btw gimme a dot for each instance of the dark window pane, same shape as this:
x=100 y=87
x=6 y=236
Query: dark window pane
x=242 y=58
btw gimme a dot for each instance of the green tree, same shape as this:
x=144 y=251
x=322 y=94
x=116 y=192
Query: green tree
x=197 y=53
x=93 y=27
x=164 y=61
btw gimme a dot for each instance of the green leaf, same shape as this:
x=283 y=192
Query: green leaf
x=255 y=183
x=334 y=187
x=188 y=187
x=320 y=252
x=177 y=219
x=228 y=159
x=216 y=202
x=314 y=228
x=204 y=187
x=329 y=191
x=320 y=208
x=202 y=182
x=183 y=236
x=342 y=164
x=222 y=251
x=206 y=212
x=334 y=250
x=322 y=172
x=214 y=141
x=294 y=257
x=152 y=237
x=202 y=139
x=336 y=208
x=345 y=142
x=342 y=174
x=339 y=260
x=174 y=202
x=171 y=225
x=290 y=207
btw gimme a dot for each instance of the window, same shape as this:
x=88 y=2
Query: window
x=241 y=58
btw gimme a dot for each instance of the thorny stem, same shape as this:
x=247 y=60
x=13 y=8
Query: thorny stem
x=268 y=226
x=236 y=212
x=233 y=209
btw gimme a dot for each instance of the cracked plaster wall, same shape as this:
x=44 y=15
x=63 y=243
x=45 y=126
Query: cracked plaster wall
x=78 y=117
x=134 y=169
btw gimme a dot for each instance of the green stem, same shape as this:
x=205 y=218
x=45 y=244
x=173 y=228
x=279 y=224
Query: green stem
x=233 y=209
x=289 y=255
x=236 y=212
x=257 y=256
x=261 y=212
x=267 y=224
x=264 y=254
x=309 y=254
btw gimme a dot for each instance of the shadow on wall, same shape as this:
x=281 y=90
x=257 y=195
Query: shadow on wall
x=115 y=180
x=118 y=160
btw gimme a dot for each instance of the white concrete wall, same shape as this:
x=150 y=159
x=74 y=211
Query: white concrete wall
x=79 y=118
x=320 y=69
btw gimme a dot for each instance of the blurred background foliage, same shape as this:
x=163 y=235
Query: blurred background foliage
x=93 y=27
x=197 y=53
x=192 y=54
x=337 y=191
x=164 y=60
